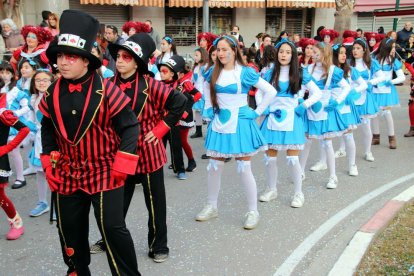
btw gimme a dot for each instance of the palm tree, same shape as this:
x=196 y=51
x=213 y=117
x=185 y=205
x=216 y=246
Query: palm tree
x=343 y=14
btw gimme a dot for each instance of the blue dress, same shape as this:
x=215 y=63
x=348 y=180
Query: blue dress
x=368 y=108
x=347 y=108
x=334 y=125
x=391 y=98
x=198 y=80
x=227 y=134
x=280 y=136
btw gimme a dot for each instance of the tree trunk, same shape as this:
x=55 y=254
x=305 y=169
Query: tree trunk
x=11 y=9
x=343 y=14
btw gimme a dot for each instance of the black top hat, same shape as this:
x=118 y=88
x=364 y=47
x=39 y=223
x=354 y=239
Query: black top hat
x=140 y=46
x=78 y=32
x=176 y=63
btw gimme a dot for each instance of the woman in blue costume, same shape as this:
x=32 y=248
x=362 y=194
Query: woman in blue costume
x=348 y=110
x=233 y=131
x=385 y=92
x=283 y=127
x=366 y=105
x=324 y=119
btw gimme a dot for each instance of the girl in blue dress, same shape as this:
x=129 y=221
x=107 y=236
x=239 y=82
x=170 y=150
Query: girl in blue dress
x=233 y=131
x=200 y=64
x=366 y=105
x=348 y=110
x=283 y=127
x=324 y=119
x=385 y=93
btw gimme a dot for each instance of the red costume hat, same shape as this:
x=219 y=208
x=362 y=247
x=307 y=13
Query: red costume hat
x=210 y=37
x=43 y=35
x=139 y=27
x=304 y=42
x=331 y=33
x=378 y=37
x=349 y=37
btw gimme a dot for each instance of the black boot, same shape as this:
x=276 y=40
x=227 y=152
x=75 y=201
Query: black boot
x=197 y=133
x=192 y=166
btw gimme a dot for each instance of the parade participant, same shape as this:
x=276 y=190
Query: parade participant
x=307 y=49
x=329 y=36
x=348 y=41
x=283 y=127
x=34 y=48
x=409 y=66
x=168 y=49
x=233 y=131
x=8 y=120
x=200 y=64
x=369 y=70
x=104 y=71
x=374 y=40
x=38 y=87
x=176 y=73
x=132 y=28
x=324 y=120
x=385 y=93
x=89 y=135
x=348 y=110
x=268 y=59
x=151 y=100
x=205 y=40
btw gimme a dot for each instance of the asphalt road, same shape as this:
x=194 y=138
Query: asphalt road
x=221 y=246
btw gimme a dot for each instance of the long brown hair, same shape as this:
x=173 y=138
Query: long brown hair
x=219 y=67
x=366 y=57
x=326 y=59
x=344 y=66
x=384 y=51
x=204 y=57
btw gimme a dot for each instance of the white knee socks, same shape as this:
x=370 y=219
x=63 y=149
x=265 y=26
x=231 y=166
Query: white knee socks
x=247 y=179
x=271 y=172
x=303 y=158
x=350 y=148
x=366 y=135
x=330 y=156
x=295 y=172
x=41 y=186
x=197 y=118
x=390 y=122
x=215 y=169
x=322 y=152
x=342 y=143
x=18 y=163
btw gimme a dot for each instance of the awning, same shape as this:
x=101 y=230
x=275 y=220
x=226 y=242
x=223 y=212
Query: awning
x=148 y=3
x=394 y=13
x=219 y=3
x=371 y=5
x=301 y=4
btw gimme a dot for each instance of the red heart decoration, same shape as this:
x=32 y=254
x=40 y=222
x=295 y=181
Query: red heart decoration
x=69 y=251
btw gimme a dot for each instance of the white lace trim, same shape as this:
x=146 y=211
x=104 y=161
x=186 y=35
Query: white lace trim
x=352 y=127
x=185 y=124
x=386 y=106
x=328 y=135
x=213 y=153
x=287 y=147
x=4 y=173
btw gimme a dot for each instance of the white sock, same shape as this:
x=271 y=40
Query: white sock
x=27 y=148
x=375 y=125
x=41 y=186
x=215 y=169
x=303 y=157
x=366 y=135
x=350 y=148
x=197 y=118
x=330 y=156
x=17 y=221
x=390 y=122
x=271 y=172
x=342 y=143
x=246 y=177
x=18 y=163
x=322 y=153
x=295 y=172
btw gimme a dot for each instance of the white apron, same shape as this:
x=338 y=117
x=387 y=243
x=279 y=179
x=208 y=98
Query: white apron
x=317 y=111
x=282 y=114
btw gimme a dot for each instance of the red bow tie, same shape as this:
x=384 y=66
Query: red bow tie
x=124 y=86
x=75 y=87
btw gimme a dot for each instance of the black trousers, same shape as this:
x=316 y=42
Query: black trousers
x=154 y=193
x=176 y=149
x=73 y=224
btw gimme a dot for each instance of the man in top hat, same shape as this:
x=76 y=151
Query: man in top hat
x=89 y=135
x=158 y=108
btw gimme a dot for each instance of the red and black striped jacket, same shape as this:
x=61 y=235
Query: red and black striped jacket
x=151 y=99
x=88 y=128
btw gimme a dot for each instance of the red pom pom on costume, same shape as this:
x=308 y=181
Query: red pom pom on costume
x=349 y=33
x=210 y=37
x=304 y=42
x=43 y=35
x=331 y=33
x=139 y=27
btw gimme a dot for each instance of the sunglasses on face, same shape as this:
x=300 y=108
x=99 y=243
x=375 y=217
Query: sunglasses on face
x=126 y=57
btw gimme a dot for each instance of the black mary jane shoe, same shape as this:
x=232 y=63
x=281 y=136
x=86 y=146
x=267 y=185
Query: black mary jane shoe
x=18 y=184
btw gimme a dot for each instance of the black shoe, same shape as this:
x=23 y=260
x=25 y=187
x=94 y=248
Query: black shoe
x=197 y=135
x=98 y=247
x=204 y=156
x=18 y=184
x=192 y=166
x=227 y=159
x=170 y=167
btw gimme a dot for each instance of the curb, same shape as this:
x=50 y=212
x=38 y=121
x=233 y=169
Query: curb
x=356 y=248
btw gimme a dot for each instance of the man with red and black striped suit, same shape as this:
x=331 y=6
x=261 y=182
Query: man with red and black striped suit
x=89 y=122
x=151 y=99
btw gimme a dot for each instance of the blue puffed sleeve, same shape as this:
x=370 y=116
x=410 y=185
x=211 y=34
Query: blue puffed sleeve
x=397 y=65
x=207 y=73
x=249 y=76
x=338 y=75
x=375 y=66
x=354 y=74
x=306 y=77
x=108 y=73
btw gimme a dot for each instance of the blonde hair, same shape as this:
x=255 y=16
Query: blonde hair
x=326 y=58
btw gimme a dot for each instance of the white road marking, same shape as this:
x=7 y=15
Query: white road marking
x=297 y=255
